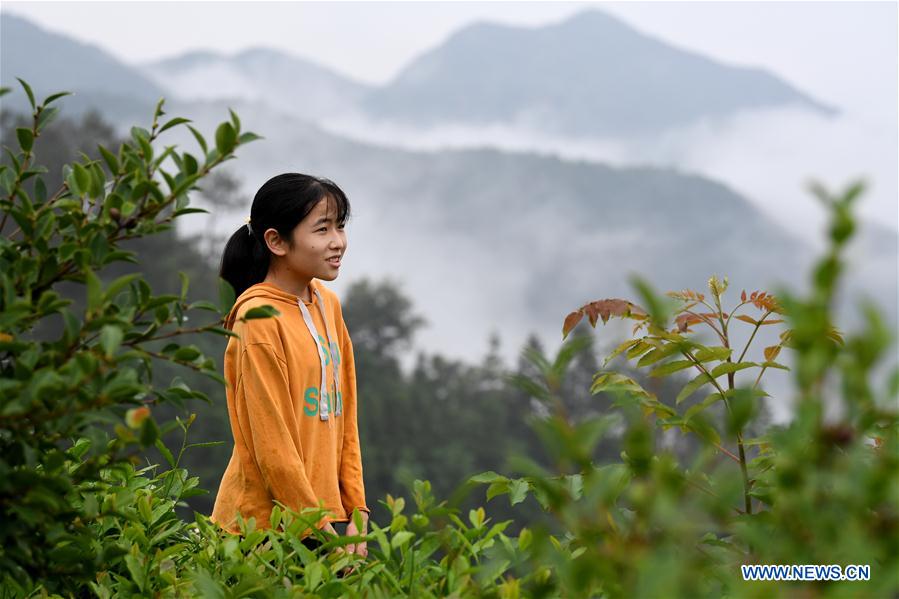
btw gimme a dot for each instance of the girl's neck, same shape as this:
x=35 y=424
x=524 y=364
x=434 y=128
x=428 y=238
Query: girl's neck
x=299 y=288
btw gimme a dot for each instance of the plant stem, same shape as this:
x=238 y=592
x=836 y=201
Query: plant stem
x=726 y=452
x=746 y=498
x=751 y=337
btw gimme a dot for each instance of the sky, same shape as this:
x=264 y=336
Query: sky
x=844 y=53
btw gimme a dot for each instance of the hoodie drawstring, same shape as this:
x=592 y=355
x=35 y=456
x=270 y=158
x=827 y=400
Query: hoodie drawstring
x=310 y=325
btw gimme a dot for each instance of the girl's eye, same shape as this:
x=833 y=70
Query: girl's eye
x=321 y=229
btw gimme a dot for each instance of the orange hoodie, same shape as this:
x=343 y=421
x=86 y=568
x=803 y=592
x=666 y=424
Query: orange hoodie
x=295 y=434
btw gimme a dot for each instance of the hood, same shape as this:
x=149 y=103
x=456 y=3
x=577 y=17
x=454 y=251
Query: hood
x=280 y=299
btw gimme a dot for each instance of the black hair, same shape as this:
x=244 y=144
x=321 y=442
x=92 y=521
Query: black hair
x=280 y=204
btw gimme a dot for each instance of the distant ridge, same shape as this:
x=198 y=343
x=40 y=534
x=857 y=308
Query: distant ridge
x=50 y=62
x=280 y=80
x=591 y=74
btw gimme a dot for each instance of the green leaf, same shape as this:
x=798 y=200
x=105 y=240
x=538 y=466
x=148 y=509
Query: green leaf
x=187 y=353
x=184 y=211
x=639 y=349
x=200 y=139
x=487 y=477
x=110 y=339
x=671 y=367
x=40 y=191
x=401 y=538
x=657 y=354
x=138 y=575
x=260 y=312
x=774 y=365
x=705 y=403
x=82 y=178
x=728 y=367
x=613 y=382
x=246 y=138
x=111 y=161
x=226 y=296
x=621 y=348
x=26 y=138
x=55 y=97
x=166 y=453
x=149 y=432
x=119 y=284
x=46 y=117
x=518 y=491
x=98 y=180
x=94 y=290
x=189 y=163
x=692 y=386
x=497 y=488
x=313 y=575
x=225 y=138
x=159 y=111
x=234 y=120
x=222 y=331
x=203 y=305
x=707 y=354
x=174 y=122
x=704 y=429
x=185 y=283
x=28 y=93
x=743 y=407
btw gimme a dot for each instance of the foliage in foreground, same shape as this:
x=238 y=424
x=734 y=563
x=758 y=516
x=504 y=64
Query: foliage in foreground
x=80 y=519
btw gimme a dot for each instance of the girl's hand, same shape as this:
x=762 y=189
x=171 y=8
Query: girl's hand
x=351 y=531
x=361 y=548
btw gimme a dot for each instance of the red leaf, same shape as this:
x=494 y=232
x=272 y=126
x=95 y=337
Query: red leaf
x=743 y=296
x=571 y=321
x=608 y=308
x=686 y=320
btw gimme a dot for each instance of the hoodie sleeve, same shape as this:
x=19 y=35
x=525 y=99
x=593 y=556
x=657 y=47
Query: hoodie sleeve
x=352 y=487
x=263 y=421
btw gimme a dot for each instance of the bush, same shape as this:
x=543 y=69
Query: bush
x=78 y=407
x=80 y=518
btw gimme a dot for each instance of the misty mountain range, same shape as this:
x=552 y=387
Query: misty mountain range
x=591 y=74
x=483 y=240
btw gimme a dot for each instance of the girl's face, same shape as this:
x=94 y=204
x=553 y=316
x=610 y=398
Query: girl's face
x=318 y=244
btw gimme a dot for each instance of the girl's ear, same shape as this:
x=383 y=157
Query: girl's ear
x=275 y=243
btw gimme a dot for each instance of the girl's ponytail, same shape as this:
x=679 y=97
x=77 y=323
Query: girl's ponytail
x=245 y=260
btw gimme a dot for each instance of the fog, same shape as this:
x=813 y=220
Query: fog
x=768 y=156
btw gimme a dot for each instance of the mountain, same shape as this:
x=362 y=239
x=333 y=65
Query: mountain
x=49 y=62
x=262 y=75
x=484 y=240
x=590 y=75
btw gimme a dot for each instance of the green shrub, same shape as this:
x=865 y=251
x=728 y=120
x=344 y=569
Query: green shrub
x=815 y=491
x=81 y=519
x=78 y=405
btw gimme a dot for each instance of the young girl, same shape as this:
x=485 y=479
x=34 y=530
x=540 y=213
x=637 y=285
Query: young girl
x=291 y=378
